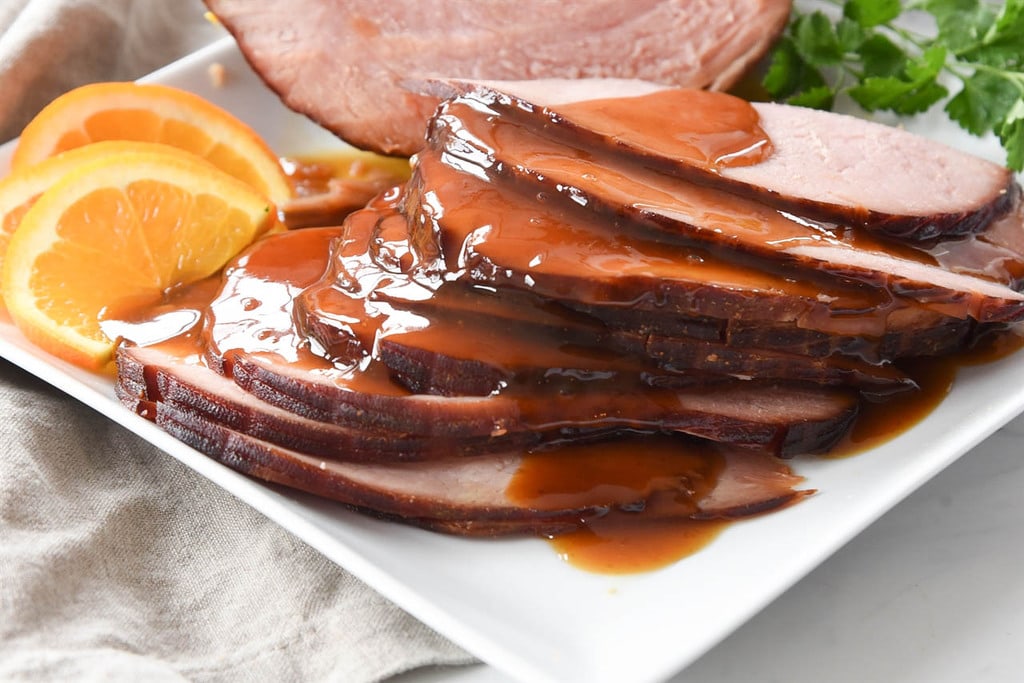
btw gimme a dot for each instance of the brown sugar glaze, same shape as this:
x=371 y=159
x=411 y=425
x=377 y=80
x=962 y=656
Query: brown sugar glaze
x=613 y=543
x=620 y=541
x=880 y=421
x=251 y=314
x=328 y=187
x=616 y=544
x=696 y=125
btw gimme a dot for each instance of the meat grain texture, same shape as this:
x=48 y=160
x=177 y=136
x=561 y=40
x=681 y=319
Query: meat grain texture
x=343 y=63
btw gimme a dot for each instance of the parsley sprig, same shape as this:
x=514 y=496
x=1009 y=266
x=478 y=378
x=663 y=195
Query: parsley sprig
x=868 y=53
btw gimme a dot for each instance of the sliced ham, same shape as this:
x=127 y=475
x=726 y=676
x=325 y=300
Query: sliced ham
x=454 y=340
x=471 y=496
x=343 y=62
x=493 y=235
x=174 y=374
x=251 y=335
x=816 y=164
x=598 y=178
x=782 y=417
x=914 y=332
x=556 y=296
x=419 y=363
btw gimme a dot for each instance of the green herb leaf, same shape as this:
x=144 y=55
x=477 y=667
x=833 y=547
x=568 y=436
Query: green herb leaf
x=881 y=57
x=962 y=23
x=868 y=55
x=928 y=66
x=983 y=103
x=1009 y=25
x=1011 y=134
x=879 y=92
x=1003 y=44
x=816 y=40
x=820 y=97
x=870 y=13
x=920 y=99
x=912 y=92
x=849 y=35
x=788 y=73
x=780 y=78
x=894 y=94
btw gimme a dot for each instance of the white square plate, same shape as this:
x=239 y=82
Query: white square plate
x=513 y=603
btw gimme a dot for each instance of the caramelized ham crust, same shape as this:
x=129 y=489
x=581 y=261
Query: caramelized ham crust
x=470 y=496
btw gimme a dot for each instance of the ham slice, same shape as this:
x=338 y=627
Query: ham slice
x=595 y=176
x=812 y=163
x=343 y=62
x=914 y=332
x=470 y=497
x=251 y=335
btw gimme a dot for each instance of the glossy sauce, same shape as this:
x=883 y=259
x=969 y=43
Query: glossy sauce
x=701 y=127
x=879 y=422
x=634 y=180
x=380 y=279
x=328 y=187
x=313 y=174
x=668 y=477
x=616 y=542
x=477 y=227
x=688 y=214
x=148 y=322
x=560 y=371
x=253 y=310
x=488 y=227
x=551 y=242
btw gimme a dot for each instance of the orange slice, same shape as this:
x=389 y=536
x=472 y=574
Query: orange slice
x=120 y=229
x=152 y=113
x=19 y=190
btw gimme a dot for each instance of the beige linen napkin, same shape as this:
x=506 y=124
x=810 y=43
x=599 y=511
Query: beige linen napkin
x=116 y=561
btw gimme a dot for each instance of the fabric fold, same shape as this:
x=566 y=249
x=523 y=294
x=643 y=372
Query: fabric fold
x=116 y=561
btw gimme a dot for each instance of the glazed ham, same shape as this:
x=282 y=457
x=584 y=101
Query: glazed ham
x=543 y=291
x=448 y=463
x=596 y=175
x=343 y=62
x=473 y=496
x=815 y=164
x=251 y=328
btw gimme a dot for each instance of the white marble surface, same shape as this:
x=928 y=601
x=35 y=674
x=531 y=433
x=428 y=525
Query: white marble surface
x=932 y=593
